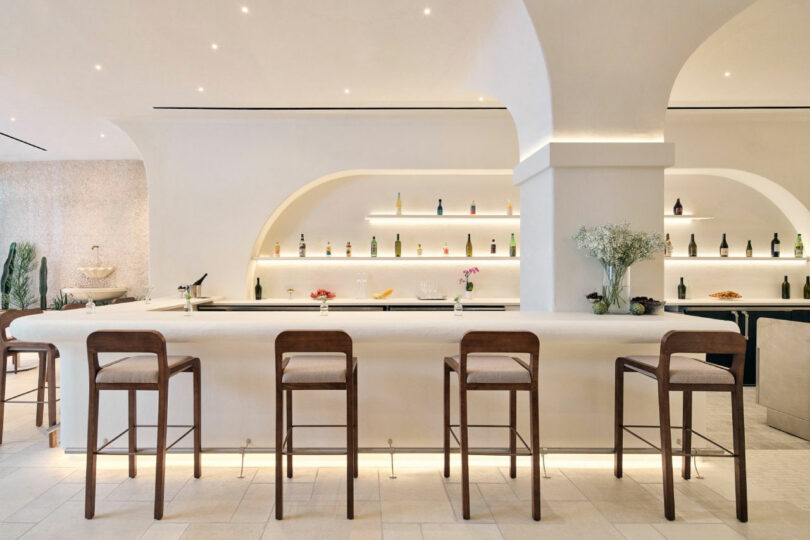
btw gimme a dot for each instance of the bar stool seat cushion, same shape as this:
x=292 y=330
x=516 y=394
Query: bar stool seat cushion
x=686 y=370
x=137 y=369
x=315 y=368
x=491 y=369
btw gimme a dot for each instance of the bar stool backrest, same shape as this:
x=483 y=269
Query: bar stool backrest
x=313 y=341
x=9 y=315
x=703 y=342
x=482 y=341
x=127 y=341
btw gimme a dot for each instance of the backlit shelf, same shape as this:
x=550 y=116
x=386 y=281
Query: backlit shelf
x=433 y=219
x=456 y=259
x=673 y=217
x=800 y=260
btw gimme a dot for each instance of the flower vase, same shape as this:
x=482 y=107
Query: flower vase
x=614 y=288
x=324 y=309
x=468 y=292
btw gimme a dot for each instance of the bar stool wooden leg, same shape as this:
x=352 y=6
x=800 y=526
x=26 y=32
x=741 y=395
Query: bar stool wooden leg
x=512 y=433
x=356 y=435
x=618 y=420
x=92 y=445
x=666 y=451
x=535 y=434
x=686 y=436
x=738 y=426
x=289 y=434
x=15 y=359
x=465 y=452
x=50 y=370
x=160 y=457
x=2 y=395
x=279 y=451
x=446 y=421
x=197 y=383
x=41 y=387
x=133 y=433
x=350 y=389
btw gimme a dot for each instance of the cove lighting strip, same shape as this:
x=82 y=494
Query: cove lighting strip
x=425 y=219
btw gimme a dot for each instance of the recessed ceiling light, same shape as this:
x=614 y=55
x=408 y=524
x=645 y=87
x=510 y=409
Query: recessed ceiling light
x=101 y=135
x=245 y=9
x=727 y=74
x=347 y=91
x=200 y=89
x=98 y=67
x=13 y=119
x=214 y=46
x=426 y=11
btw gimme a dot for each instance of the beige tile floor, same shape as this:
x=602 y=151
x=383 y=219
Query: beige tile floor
x=42 y=494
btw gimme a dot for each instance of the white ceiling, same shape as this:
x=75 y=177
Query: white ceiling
x=304 y=53
x=765 y=49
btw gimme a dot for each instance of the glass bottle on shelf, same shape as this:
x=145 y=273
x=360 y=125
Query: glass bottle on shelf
x=277 y=250
x=786 y=289
x=678 y=208
x=776 y=245
x=397 y=247
x=724 y=247
x=439 y=209
x=348 y=249
x=419 y=250
x=512 y=246
x=509 y=209
x=692 y=246
x=258 y=290
x=445 y=250
x=492 y=248
x=749 y=250
x=399 y=204
x=472 y=208
x=807 y=288
x=798 y=250
x=302 y=247
x=328 y=249
x=681 y=290
x=373 y=246
x=668 y=247
x=468 y=247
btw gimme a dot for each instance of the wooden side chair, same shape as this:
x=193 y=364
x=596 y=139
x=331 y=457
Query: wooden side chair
x=483 y=363
x=675 y=373
x=314 y=360
x=46 y=380
x=150 y=369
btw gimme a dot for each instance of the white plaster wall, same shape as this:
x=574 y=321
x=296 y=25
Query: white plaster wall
x=336 y=212
x=213 y=183
x=64 y=207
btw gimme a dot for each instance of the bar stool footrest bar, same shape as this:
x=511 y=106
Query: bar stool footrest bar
x=147 y=452
x=495 y=452
x=725 y=452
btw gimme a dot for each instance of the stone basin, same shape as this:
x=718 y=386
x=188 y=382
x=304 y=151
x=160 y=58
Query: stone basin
x=96 y=293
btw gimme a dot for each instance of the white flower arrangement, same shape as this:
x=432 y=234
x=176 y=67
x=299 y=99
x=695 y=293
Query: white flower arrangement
x=617 y=247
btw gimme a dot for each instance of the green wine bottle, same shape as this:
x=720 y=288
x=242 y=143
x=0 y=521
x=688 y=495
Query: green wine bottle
x=786 y=289
x=258 y=289
x=512 y=246
x=749 y=250
x=469 y=246
x=799 y=249
x=398 y=247
x=373 y=246
x=681 y=290
x=692 y=247
x=807 y=288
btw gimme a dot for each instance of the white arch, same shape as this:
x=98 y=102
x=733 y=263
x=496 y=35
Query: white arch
x=795 y=211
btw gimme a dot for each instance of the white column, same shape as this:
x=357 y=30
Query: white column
x=568 y=184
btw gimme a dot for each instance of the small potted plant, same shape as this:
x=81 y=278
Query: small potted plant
x=465 y=280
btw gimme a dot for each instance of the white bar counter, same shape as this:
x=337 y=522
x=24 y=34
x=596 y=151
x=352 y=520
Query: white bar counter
x=400 y=357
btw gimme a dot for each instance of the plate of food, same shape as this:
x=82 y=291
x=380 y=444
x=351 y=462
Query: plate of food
x=726 y=295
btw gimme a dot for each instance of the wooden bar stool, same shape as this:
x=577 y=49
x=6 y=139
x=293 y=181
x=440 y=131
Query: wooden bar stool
x=48 y=353
x=477 y=371
x=687 y=375
x=314 y=360
x=149 y=370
